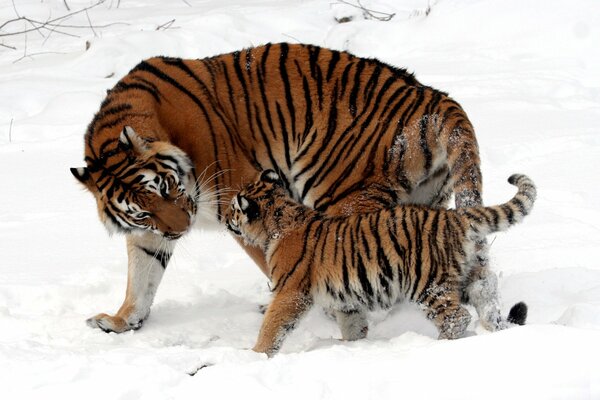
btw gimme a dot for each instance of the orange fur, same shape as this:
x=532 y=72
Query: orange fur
x=366 y=261
x=346 y=134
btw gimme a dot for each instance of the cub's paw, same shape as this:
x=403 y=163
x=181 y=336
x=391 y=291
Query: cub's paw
x=110 y=323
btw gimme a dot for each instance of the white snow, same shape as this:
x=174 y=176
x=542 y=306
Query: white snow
x=528 y=75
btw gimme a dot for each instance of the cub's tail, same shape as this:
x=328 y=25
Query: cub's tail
x=486 y=220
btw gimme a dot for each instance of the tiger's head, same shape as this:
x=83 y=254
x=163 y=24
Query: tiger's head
x=251 y=211
x=142 y=186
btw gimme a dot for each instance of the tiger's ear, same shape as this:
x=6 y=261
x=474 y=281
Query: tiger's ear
x=271 y=176
x=130 y=140
x=83 y=175
x=248 y=207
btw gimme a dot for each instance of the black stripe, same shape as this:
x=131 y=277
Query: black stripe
x=286 y=144
x=286 y=84
x=519 y=204
x=274 y=163
x=356 y=87
x=509 y=214
x=344 y=244
x=409 y=250
x=335 y=58
x=344 y=81
x=161 y=256
x=240 y=75
x=263 y=61
x=124 y=87
x=230 y=91
x=308 y=117
x=418 y=225
x=424 y=145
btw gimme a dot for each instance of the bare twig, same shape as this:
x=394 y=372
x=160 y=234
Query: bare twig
x=7 y=46
x=10 y=131
x=291 y=37
x=166 y=25
x=185 y=1
x=37 y=54
x=15 y=8
x=90 y=22
x=54 y=29
x=35 y=28
x=66 y=5
x=368 y=13
x=51 y=22
x=49 y=25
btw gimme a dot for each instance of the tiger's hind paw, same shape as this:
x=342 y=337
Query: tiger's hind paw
x=109 y=323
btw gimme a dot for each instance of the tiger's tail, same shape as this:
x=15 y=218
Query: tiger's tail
x=486 y=220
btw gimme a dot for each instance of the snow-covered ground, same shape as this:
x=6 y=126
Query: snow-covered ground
x=527 y=73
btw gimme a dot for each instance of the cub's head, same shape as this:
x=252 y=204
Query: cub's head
x=142 y=186
x=250 y=212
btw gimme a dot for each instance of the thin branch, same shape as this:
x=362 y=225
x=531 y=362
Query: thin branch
x=185 y=1
x=291 y=37
x=47 y=23
x=55 y=29
x=90 y=22
x=368 y=13
x=36 y=28
x=166 y=25
x=10 y=131
x=66 y=5
x=37 y=54
x=7 y=46
x=15 y=8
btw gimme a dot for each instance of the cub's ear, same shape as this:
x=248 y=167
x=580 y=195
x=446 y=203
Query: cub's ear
x=130 y=140
x=271 y=176
x=248 y=207
x=83 y=175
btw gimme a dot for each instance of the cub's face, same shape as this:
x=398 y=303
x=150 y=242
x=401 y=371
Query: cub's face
x=248 y=214
x=148 y=187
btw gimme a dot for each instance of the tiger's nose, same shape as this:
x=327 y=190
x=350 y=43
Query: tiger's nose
x=173 y=221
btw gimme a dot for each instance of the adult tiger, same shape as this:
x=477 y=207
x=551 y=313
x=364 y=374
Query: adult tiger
x=345 y=134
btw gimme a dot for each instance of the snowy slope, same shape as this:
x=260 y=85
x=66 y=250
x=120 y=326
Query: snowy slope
x=527 y=73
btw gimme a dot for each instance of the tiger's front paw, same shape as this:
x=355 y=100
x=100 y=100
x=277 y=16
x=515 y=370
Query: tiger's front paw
x=110 y=323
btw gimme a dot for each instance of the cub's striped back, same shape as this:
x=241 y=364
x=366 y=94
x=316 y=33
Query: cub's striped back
x=371 y=260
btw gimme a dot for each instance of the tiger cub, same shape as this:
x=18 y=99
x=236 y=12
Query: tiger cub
x=367 y=261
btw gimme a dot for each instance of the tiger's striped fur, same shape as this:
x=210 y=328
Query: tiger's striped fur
x=367 y=261
x=346 y=134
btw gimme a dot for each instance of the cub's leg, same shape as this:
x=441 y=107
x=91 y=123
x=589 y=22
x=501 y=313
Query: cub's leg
x=453 y=322
x=353 y=324
x=283 y=314
x=442 y=305
x=148 y=256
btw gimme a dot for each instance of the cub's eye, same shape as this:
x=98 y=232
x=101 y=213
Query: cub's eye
x=141 y=215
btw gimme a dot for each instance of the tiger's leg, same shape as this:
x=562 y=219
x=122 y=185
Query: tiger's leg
x=463 y=160
x=353 y=324
x=443 y=307
x=284 y=312
x=482 y=292
x=148 y=256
